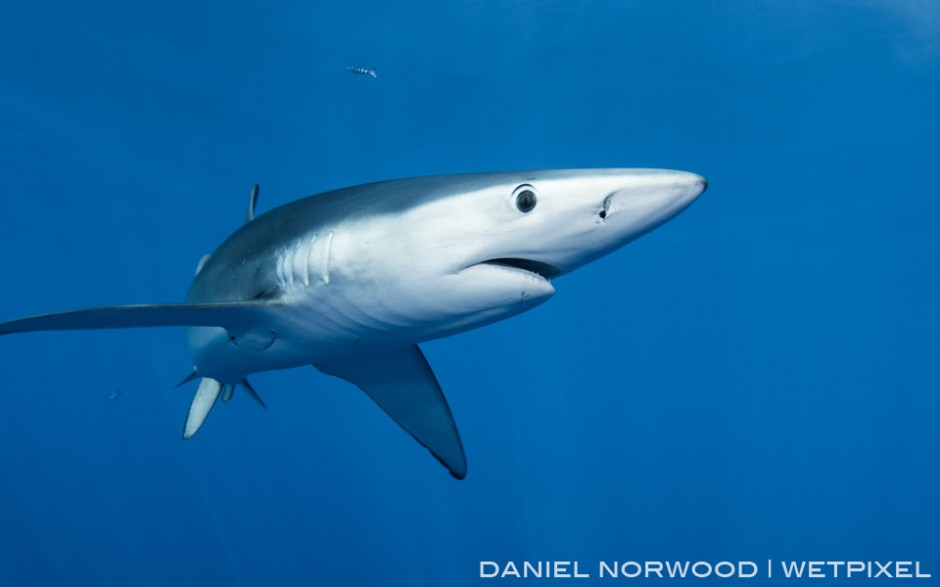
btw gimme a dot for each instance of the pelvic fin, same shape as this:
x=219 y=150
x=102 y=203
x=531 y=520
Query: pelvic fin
x=203 y=401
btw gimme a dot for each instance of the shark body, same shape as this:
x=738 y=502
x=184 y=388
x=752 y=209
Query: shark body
x=352 y=280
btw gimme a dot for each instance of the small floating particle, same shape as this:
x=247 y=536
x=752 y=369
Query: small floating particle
x=115 y=394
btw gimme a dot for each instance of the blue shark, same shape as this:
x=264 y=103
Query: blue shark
x=351 y=281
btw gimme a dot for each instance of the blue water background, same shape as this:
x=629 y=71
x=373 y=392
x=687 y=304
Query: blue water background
x=756 y=379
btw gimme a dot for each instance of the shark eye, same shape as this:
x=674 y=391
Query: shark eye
x=525 y=200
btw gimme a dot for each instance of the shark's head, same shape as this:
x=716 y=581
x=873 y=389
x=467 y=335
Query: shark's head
x=550 y=223
x=479 y=248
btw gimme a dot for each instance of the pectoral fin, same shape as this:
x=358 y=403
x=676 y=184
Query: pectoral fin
x=402 y=384
x=235 y=317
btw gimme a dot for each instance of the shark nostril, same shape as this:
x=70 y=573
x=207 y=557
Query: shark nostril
x=603 y=212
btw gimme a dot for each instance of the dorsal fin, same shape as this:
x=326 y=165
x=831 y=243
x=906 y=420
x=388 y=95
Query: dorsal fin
x=252 y=202
x=202 y=263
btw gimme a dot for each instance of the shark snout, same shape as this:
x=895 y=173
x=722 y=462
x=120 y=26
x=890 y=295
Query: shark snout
x=653 y=200
x=698 y=187
x=701 y=183
x=685 y=189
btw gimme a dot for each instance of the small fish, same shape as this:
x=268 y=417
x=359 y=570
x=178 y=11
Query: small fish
x=361 y=71
x=115 y=394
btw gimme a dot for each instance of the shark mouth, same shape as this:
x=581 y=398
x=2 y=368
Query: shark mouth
x=543 y=270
